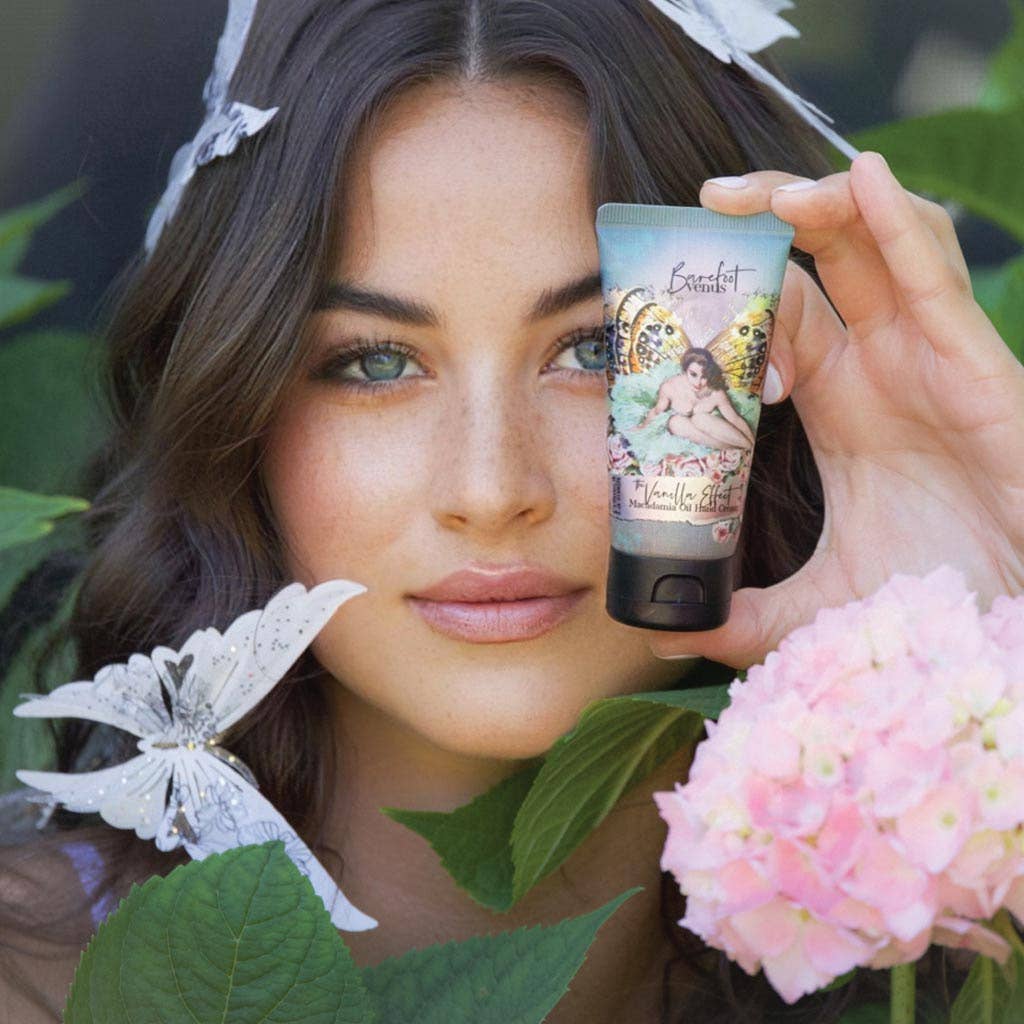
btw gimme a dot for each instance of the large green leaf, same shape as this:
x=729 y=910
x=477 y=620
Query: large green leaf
x=971 y=156
x=473 y=841
x=236 y=938
x=512 y=978
x=17 y=225
x=1000 y=292
x=617 y=743
x=49 y=419
x=23 y=297
x=1005 y=83
x=25 y=517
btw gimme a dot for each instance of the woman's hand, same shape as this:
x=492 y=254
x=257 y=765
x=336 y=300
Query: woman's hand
x=914 y=409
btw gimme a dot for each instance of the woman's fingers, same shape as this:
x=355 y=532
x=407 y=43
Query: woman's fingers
x=935 y=290
x=808 y=335
x=829 y=224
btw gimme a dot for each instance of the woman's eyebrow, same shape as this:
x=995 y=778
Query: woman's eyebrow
x=344 y=295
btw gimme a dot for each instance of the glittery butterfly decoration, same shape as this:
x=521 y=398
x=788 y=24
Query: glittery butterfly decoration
x=734 y=29
x=645 y=333
x=224 y=125
x=183 y=788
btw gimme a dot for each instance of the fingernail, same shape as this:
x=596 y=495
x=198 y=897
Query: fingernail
x=772 y=392
x=728 y=182
x=795 y=186
x=674 y=657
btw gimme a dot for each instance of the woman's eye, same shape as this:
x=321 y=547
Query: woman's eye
x=370 y=364
x=583 y=351
x=383 y=365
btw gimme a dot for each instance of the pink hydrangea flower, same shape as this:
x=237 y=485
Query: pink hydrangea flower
x=863 y=795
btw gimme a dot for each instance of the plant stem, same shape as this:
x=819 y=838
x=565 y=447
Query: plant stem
x=901 y=1007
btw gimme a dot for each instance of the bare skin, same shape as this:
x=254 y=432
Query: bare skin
x=687 y=395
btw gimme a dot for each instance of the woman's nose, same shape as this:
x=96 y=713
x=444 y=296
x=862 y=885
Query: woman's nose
x=494 y=472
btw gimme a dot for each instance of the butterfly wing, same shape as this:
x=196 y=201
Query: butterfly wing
x=656 y=335
x=741 y=350
x=124 y=695
x=234 y=672
x=727 y=26
x=625 y=309
x=129 y=795
x=646 y=333
x=213 y=809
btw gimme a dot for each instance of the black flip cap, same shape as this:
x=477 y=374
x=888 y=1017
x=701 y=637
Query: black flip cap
x=678 y=594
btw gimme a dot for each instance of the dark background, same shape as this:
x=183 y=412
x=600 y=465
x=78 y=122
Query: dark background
x=108 y=89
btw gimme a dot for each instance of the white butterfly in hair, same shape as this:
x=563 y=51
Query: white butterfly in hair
x=184 y=788
x=734 y=29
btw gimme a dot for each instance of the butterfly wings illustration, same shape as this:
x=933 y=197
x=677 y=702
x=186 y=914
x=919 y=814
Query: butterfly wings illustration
x=183 y=788
x=741 y=350
x=644 y=333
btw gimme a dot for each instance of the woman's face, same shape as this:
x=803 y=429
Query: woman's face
x=697 y=377
x=448 y=450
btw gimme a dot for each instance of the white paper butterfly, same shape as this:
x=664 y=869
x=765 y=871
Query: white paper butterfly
x=183 y=788
x=734 y=29
x=225 y=123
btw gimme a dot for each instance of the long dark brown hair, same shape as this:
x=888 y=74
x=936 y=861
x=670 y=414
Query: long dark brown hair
x=206 y=337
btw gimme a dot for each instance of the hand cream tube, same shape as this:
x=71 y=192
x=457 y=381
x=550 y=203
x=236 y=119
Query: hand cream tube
x=690 y=298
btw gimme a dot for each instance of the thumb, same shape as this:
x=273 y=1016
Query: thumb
x=759 y=619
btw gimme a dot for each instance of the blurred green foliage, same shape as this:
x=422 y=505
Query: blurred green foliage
x=974 y=157
x=50 y=425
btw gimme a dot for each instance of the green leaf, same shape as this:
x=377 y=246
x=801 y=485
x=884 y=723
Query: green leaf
x=49 y=419
x=992 y=994
x=25 y=517
x=706 y=701
x=1004 y=86
x=473 y=841
x=237 y=938
x=512 y=978
x=1000 y=292
x=28 y=742
x=22 y=297
x=17 y=225
x=971 y=156
x=617 y=743
x=869 y=1013
x=983 y=997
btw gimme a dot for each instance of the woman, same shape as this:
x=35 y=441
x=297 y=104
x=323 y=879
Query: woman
x=368 y=345
x=693 y=397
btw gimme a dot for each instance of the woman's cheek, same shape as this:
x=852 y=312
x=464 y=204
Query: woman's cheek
x=343 y=484
x=578 y=442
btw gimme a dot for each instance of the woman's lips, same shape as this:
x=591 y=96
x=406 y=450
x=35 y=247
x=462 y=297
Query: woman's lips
x=495 y=622
x=498 y=605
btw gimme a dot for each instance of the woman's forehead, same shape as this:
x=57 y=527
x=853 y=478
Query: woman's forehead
x=467 y=173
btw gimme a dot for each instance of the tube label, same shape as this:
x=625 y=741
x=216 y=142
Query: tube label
x=690 y=310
